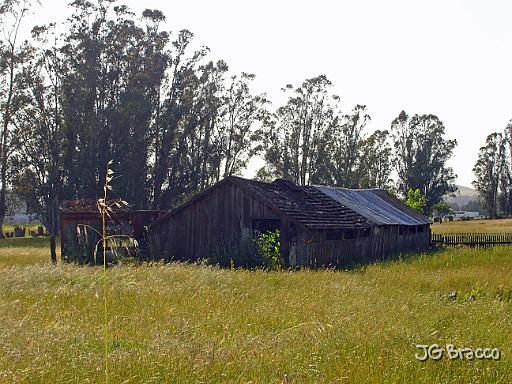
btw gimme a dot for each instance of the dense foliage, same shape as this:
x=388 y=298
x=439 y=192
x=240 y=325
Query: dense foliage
x=421 y=155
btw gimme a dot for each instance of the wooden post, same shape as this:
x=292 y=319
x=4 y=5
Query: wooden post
x=53 y=251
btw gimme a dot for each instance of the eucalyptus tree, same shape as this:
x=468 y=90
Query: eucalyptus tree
x=488 y=170
x=293 y=136
x=505 y=176
x=184 y=158
x=142 y=58
x=115 y=69
x=421 y=153
x=39 y=135
x=174 y=121
x=310 y=141
x=376 y=155
x=236 y=133
x=348 y=162
x=208 y=128
x=14 y=56
x=85 y=102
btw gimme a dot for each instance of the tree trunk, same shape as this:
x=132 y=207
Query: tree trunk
x=2 y=201
x=53 y=225
x=53 y=251
x=4 y=146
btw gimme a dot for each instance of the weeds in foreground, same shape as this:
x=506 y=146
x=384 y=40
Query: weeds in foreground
x=110 y=244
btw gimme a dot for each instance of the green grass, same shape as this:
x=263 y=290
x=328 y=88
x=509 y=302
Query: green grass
x=181 y=323
x=24 y=251
x=474 y=226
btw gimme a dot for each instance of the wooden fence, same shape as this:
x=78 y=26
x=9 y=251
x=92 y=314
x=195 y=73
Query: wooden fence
x=472 y=239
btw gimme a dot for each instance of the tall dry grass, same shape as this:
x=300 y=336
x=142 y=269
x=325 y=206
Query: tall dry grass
x=181 y=323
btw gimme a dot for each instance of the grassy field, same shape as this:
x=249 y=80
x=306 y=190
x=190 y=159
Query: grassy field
x=474 y=226
x=180 y=323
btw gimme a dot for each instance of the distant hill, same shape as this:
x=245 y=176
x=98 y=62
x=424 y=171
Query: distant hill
x=463 y=196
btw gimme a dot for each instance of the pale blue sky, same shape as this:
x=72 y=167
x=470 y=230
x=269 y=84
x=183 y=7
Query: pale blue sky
x=451 y=58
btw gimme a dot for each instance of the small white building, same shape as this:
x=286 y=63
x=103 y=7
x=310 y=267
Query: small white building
x=461 y=215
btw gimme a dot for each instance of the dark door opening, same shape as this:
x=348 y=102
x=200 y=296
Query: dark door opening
x=265 y=225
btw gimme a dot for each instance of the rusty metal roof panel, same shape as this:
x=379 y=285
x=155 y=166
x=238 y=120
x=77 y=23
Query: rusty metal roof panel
x=376 y=205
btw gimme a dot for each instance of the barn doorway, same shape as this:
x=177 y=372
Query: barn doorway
x=265 y=225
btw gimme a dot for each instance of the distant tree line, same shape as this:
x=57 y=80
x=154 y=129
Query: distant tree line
x=116 y=86
x=494 y=174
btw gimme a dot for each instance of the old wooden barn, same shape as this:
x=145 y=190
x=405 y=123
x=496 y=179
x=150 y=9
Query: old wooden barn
x=319 y=225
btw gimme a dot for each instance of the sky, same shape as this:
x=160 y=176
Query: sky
x=450 y=58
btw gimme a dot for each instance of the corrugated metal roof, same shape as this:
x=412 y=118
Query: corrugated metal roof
x=376 y=205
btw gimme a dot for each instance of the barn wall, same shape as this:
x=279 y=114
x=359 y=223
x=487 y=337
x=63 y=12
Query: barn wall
x=384 y=242
x=221 y=217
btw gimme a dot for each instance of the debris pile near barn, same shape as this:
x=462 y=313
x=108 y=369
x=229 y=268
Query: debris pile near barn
x=80 y=225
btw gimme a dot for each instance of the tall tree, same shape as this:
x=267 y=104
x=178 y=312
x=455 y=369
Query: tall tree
x=171 y=121
x=84 y=100
x=240 y=109
x=505 y=197
x=293 y=137
x=39 y=136
x=309 y=141
x=505 y=173
x=347 y=163
x=115 y=70
x=421 y=153
x=187 y=147
x=175 y=121
x=376 y=165
x=487 y=171
x=13 y=57
x=508 y=133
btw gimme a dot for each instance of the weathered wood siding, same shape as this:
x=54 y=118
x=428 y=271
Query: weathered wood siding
x=223 y=215
x=315 y=251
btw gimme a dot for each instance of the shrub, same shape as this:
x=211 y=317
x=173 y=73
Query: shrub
x=268 y=247
x=416 y=200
